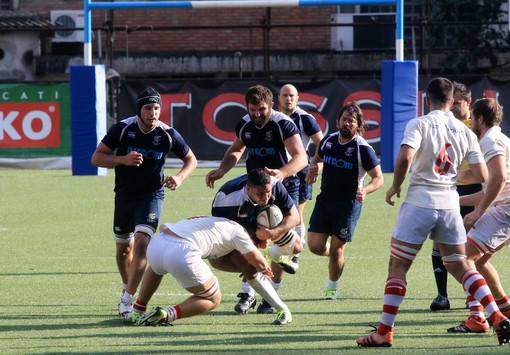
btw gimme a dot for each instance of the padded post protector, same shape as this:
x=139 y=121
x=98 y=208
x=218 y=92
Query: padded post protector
x=399 y=96
x=88 y=116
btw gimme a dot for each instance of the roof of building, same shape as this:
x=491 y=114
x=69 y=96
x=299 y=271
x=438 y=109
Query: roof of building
x=23 y=20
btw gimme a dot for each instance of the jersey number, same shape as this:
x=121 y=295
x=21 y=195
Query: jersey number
x=443 y=161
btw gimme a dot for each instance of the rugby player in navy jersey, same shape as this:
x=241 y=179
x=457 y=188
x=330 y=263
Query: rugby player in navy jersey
x=137 y=148
x=240 y=200
x=272 y=142
x=346 y=158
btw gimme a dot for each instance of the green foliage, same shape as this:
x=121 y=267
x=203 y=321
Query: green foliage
x=59 y=284
x=466 y=26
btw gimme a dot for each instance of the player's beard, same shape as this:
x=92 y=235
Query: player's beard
x=259 y=121
x=346 y=133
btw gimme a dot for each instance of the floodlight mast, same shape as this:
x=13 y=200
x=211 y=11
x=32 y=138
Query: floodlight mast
x=89 y=5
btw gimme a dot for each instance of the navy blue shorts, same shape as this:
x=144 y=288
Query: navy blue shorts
x=143 y=212
x=338 y=218
x=305 y=191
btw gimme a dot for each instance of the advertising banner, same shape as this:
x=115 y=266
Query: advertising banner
x=34 y=120
x=205 y=113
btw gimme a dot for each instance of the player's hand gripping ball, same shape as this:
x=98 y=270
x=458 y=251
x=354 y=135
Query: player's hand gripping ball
x=270 y=216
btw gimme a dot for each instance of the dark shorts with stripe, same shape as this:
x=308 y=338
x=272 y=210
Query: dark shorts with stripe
x=144 y=211
x=335 y=217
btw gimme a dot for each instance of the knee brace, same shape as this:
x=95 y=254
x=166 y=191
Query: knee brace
x=453 y=258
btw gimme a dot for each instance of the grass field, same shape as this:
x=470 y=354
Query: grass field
x=59 y=284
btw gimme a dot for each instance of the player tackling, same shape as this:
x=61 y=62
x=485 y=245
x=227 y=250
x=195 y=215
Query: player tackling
x=180 y=250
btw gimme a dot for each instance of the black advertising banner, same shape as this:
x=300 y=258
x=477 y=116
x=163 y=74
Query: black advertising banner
x=205 y=112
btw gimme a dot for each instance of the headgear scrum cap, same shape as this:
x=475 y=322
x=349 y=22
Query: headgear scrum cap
x=148 y=96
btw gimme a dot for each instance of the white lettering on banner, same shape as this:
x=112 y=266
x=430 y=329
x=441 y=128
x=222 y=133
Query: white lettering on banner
x=30 y=96
x=45 y=129
x=7 y=125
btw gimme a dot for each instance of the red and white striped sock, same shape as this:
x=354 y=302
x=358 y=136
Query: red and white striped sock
x=173 y=313
x=394 y=293
x=475 y=285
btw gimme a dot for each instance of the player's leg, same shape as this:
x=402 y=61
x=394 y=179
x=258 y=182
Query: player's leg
x=401 y=258
x=475 y=285
x=183 y=261
x=441 y=302
x=335 y=267
x=413 y=226
x=123 y=227
x=344 y=216
x=264 y=288
x=234 y=262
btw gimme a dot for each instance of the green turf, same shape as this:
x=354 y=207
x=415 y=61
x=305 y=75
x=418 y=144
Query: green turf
x=59 y=285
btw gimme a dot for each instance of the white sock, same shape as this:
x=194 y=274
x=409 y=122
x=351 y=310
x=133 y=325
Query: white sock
x=246 y=288
x=263 y=287
x=301 y=231
x=332 y=284
x=274 y=252
x=275 y=285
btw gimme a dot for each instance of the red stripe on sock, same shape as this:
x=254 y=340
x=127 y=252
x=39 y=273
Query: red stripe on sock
x=178 y=312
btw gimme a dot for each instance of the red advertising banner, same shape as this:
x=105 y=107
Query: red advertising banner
x=30 y=125
x=35 y=120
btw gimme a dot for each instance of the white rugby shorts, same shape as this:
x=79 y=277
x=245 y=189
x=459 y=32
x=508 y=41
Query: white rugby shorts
x=415 y=223
x=179 y=257
x=493 y=227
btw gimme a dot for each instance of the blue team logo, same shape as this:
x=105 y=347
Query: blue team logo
x=156 y=140
x=269 y=136
x=349 y=152
x=329 y=145
x=247 y=135
x=338 y=163
x=132 y=134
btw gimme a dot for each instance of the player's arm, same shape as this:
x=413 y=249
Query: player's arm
x=188 y=167
x=297 y=162
x=232 y=156
x=467 y=177
x=104 y=157
x=316 y=139
x=314 y=168
x=495 y=184
x=259 y=262
x=402 y=166
x=376 y=181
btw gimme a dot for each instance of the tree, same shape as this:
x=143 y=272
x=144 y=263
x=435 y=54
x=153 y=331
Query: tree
x=470 y=30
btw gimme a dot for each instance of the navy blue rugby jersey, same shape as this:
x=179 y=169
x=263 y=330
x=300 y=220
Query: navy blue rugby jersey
x=345 y=165
x=125 y=136
x=308 y=126
x=232 y=201
x=265 y=146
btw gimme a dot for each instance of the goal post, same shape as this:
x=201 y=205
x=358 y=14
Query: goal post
x=398 y=76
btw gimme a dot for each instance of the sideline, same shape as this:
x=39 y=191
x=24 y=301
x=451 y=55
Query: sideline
x=66 y=163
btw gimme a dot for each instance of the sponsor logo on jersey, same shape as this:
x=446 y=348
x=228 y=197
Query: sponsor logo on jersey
x=338 y=163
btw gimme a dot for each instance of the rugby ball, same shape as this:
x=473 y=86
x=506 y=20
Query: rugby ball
x=270 y=216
